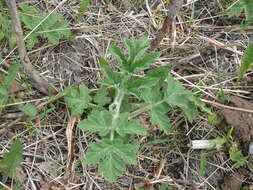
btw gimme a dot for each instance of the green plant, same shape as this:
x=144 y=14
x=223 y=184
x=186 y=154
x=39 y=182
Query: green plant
x=203 y=162
x=246 y=62
x=82 y=9
x=123 y=96
x=11 y=160
x=5 y=26
x=5 y=83
x=236 y=9
x=54 y=28
x=236 y=156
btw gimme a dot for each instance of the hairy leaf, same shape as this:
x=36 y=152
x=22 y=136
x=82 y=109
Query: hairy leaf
x=12 y=159
x=101 y=97
x=113 y=78
x=159 y=72
x=97 y=121
x=29 y=109
x=144 y=62
x=137 y=59
x=159 y=117
x=151 y=95
x=116 y=51
x=128 y=127
x=54 y=28
x=114 y=155
x=136 y=86
x=236 y=156
x=176 y=95
x=77 y=99
x=137 y=48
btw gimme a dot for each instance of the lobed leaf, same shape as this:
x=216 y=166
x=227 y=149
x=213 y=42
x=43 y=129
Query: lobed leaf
x=176 y=95
x=125 y=127
x=144 y=62
x=29 y=109
x=77 y=99
x=159 y=117
x=137 y=48
x=151 y=95
x=97 y=121
x=54 y=28
x=116 y=51
x=159 y=72
x=101 y=97
x=114 y=155
x=113 y=78
x=12 y=159
x=137 y=59
x=136 y=86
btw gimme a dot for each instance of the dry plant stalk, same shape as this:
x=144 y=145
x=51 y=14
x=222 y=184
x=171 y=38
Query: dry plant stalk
x=40 y=83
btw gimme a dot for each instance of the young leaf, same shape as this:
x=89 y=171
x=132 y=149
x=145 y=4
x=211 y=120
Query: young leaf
x=97 y=121
x=53 y=28
x=116 y=51
x=151 y=95
x=29 y=109
x=115 y=154
x=111 y=167
x=176 y=95
x=137 y=48
x=137 y=59
x=83 y=7
x=246 y=61
x=159 y=118
x=144 y=62
x=159 y=72
x=236 y=156
x=128 y=127
x=113 y=78
x=12 y=159
x=77 y=99
x=136 y=86
x=101 y=97
x=12 y=72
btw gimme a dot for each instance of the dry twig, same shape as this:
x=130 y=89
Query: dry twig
x=40 y=83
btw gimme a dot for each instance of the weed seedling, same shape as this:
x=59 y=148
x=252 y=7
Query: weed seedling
x=132 y=91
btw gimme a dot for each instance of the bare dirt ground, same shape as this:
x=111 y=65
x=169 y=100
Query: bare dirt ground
x=203 y=49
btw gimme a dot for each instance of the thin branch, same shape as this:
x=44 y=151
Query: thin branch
x=40 y=83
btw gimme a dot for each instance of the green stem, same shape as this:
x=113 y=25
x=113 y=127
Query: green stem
x=114 y=108
x=144 y=109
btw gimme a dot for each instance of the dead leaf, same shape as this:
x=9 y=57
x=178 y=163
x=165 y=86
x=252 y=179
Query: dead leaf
x=70 y=141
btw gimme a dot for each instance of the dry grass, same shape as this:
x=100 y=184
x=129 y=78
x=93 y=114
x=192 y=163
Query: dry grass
x=208 y=46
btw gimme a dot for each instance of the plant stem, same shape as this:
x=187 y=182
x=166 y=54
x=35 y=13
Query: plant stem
x=144 y=109
x=114 y=108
